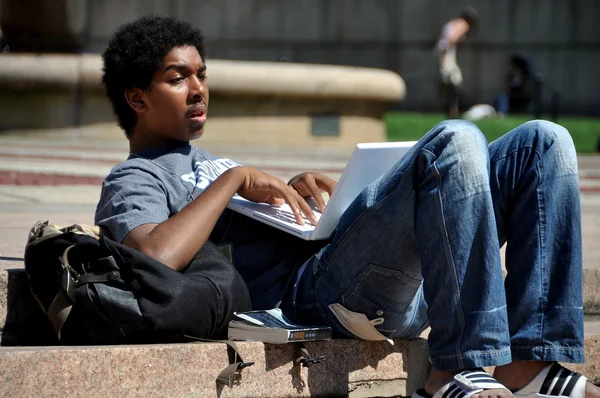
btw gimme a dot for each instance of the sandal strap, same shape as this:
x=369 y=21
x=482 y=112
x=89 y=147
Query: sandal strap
x=555 y=380
x=476 y=380
x=559 y=381
x=467 y=383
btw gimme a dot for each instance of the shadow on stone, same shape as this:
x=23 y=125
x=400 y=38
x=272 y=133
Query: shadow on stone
x=25 y=323
x=350 y=361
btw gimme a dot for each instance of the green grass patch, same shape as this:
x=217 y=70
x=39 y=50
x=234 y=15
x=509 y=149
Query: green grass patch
x=408 y=126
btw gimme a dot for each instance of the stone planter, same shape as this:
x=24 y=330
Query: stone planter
x=250 y=102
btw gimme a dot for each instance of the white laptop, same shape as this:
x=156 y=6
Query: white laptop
x=367 y=163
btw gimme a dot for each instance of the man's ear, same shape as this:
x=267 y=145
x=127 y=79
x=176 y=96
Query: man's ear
x=134 y=97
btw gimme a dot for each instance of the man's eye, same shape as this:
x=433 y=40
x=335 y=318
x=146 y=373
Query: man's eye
x=177 y=80
x=202 y=77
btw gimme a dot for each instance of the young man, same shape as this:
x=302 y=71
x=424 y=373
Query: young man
x=453 y=33
x=420 y=245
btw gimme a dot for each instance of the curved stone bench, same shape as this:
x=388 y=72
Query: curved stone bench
x=250 y=102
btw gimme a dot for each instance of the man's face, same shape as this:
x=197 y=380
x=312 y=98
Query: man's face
x=177 y=102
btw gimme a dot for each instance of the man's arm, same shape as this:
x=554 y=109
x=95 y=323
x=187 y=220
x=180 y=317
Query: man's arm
x=454 y=32
x=177 y=240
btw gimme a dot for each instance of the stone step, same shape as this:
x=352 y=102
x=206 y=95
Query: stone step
x=352 y=368
x=31 y=366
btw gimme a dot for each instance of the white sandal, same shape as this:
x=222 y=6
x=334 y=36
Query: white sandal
x=554 y=381
x=464 y=385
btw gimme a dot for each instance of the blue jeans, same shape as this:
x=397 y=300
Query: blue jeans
x=421 y=245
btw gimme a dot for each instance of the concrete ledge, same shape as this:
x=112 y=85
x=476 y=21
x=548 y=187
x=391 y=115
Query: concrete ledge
x=365 y=368
x=250 y=102
x=353 y=368
x=83 y=71
x=304 y=80
x=361 y=368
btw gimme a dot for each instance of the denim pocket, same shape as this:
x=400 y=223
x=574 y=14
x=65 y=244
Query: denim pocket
x=380 y=292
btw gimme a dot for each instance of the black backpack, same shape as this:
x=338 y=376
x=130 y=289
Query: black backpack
x=97 y=291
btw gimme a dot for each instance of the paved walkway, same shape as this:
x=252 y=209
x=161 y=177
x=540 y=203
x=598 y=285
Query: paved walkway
x=56 y=175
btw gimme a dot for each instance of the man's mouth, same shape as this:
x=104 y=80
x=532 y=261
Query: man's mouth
x=198 y=114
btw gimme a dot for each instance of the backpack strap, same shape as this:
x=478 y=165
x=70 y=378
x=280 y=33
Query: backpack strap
x=107 y=263
x=63 y=301
x=59 y=310
x=232 y=373
x=62 y=304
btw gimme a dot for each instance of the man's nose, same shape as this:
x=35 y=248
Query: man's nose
x=197 y=88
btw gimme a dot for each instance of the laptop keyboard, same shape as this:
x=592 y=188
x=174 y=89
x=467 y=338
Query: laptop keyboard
x=285 y=214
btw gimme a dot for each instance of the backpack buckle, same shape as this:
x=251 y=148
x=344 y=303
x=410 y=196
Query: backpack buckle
x=302 y=356
x=68 y=284
x=68 y=281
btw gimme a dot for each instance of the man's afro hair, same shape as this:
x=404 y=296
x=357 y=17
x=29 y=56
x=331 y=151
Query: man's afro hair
x=135 y=51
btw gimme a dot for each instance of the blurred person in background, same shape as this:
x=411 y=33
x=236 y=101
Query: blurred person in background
x=518 y=89
x=453 y=33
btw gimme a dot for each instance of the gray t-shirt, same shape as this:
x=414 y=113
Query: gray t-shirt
x=153 y=185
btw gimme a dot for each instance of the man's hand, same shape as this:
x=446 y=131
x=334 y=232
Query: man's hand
x=311 y=184
x=264 y=188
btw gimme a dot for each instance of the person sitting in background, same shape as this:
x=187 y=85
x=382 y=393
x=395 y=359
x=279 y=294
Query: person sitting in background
x=453 y=33
x=518 y=92
x=420 y=245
